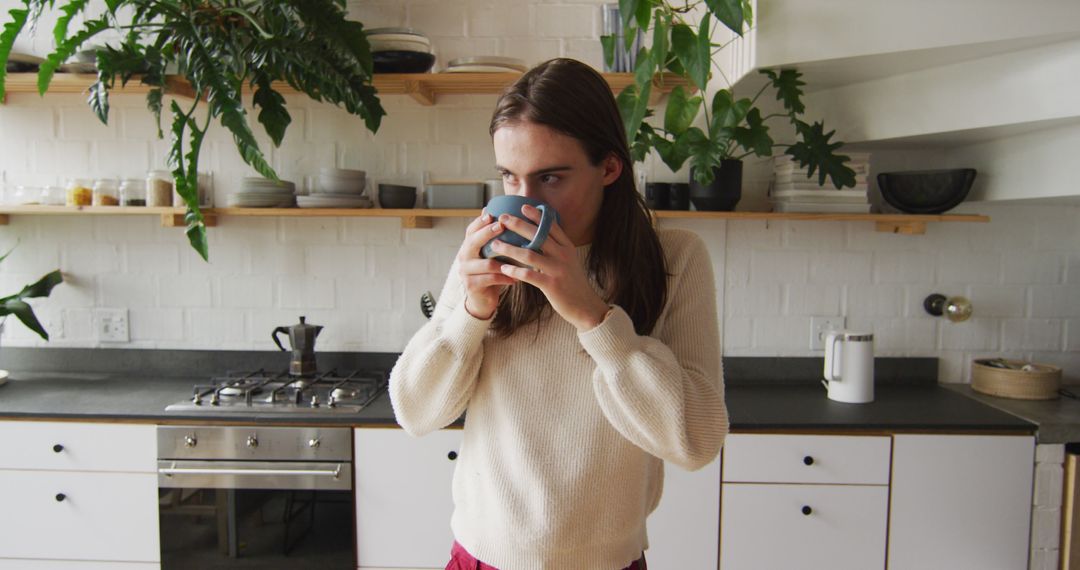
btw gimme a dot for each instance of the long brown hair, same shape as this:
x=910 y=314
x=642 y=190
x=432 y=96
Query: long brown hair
x=625 y=258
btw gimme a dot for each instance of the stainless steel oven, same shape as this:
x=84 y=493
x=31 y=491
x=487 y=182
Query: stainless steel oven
x=256 y=497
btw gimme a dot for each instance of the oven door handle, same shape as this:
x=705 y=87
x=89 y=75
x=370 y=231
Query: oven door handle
x=170 y=471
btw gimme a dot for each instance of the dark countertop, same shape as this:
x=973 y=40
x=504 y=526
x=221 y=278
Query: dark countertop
x=1058 y=420
x=802 y=406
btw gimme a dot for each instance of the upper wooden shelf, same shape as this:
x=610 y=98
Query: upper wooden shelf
x=422 y=218
x=425 y=88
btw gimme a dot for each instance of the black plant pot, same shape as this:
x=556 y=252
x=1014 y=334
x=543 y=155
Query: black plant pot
x=724 y=192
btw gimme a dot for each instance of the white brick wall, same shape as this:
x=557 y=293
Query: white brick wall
x=1046 y=503
x=361 y=278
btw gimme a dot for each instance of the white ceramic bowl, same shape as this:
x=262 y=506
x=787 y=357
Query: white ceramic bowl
x=337 y=185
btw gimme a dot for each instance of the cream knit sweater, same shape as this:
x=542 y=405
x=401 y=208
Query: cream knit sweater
x=566 y=433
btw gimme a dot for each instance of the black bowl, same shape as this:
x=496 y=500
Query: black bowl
x=397 y=196
x=926 y=191
x=402 y=61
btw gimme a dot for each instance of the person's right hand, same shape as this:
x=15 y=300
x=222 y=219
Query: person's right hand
x=483 y=279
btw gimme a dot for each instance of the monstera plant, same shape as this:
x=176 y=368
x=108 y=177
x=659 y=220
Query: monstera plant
x=221 y=48
x=733 y=128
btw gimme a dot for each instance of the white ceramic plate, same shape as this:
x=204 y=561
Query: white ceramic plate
x=481 y=69
x=399 y=45
x=511 y=62
x=25 y=58
x=316 y=201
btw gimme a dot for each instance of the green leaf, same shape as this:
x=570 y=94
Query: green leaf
x=7 y=40
x=748 y=13
x=727 y=113
x=661 y=31
x=643 y=13
x=640 y=148
x=681 y=110
x=99 y=101
x=69 y=11
x=787 y=84
x=674 y=153
x=608 y=43
x=153 y=103
x=628 y=12
x=633 y=107
x=273 y=116
x=692 y=50
x=64 y=51
x=705 y=154
x=755 y=136
x=42 y=287
x=729 y=12
x=815 y=152
x=25 y=314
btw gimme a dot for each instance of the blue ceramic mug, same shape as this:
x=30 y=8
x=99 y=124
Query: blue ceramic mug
x=511 y=204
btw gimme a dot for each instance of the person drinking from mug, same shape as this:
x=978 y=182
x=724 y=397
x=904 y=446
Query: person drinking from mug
x=584 y=361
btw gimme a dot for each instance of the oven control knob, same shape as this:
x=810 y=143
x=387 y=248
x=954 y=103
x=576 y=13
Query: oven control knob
x=190 y=441
x=252 y=441
x=315 y=401
x=314 y=442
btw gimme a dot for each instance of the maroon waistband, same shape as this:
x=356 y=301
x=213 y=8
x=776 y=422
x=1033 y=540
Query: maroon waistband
x=460 y=559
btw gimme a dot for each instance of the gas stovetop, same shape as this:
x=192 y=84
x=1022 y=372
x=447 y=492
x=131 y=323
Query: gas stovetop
x=261 y=391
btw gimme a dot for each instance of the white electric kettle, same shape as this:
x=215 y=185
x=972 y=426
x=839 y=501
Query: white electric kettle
x=849 y=366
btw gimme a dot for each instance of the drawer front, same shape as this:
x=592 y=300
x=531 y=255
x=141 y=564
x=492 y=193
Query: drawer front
x=24 y=564
x=78 y=446
x=102 y=516
x=767 y=458
x=764 y=526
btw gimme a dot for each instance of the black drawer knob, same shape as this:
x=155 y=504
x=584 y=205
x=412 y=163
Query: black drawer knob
x=808 y=460
x=452 y=455
x=806 y=510
x=60 y=497
x=57 y=448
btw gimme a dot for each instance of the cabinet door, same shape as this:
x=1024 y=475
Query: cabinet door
x=768 y=526
x=403 y=497
x=99 y=516
x=960 y=501
x=79 y=446
x=684 y=530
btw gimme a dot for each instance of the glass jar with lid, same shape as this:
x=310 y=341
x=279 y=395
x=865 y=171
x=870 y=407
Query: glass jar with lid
x=53 y=196
x=159 y=188
x=133 y=192
x=78 y=192
x=106 y=192
x=25 y=196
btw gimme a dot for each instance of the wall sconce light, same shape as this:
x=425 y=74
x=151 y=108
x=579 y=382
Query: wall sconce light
x=956 y=309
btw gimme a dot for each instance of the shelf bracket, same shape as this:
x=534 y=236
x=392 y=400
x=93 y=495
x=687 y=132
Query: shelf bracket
x=905 y=228
x=4 y=219
x=416 y=222
x=177 y=220
x=421 y=92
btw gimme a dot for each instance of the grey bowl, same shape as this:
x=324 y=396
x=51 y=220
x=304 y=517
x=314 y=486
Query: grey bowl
x=396 y=196
x=926 y=191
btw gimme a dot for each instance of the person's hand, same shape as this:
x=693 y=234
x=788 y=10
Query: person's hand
x=483 y=279
x=556 y=271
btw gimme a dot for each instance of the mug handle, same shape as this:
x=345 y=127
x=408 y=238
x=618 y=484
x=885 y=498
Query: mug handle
x=547 y=216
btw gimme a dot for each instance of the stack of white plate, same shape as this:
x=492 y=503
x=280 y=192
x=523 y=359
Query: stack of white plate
x=337 y=188
x=486 y=64
x=256 y=192
x=398 y=39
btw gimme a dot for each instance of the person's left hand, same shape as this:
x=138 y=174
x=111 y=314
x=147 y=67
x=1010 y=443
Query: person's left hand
x=556 y=271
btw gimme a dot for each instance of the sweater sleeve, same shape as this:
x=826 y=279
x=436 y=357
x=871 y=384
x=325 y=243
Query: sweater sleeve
x=434 y=378
x=666 y=394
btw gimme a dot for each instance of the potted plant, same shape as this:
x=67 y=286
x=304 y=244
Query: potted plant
x=733 y=128
x=219 y=48
x=16 y=304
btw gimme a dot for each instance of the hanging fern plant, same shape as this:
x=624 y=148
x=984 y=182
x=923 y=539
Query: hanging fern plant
x=220 y=47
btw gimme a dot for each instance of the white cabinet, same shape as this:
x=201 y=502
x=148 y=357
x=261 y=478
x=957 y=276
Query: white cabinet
x=78 y=492
x=684 y=530
x=403 y=497
x=804 y=501
x=960 y=501
x=804 y=526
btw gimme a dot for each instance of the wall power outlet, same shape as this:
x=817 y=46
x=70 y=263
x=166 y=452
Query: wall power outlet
x=111 y=325
x=819 y=327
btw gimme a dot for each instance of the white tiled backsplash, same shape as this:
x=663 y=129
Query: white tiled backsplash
x=362 y=277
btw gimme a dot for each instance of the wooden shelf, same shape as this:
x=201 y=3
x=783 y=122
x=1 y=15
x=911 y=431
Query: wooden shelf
x=425 y=88
x=910 y=224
